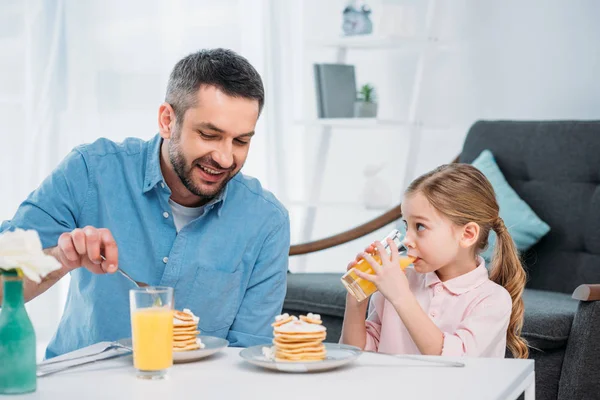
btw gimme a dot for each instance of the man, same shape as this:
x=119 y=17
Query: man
x=172 y=211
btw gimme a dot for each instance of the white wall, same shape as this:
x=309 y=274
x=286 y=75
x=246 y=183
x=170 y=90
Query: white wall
x=544 y=64
x=527 y=59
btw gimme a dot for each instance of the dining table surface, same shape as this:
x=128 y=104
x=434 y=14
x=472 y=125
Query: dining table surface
x=226 y=375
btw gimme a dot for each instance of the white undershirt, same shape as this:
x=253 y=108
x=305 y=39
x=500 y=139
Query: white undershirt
x=184 y=215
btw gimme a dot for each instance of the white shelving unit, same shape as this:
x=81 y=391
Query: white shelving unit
x=379 y=42
x=353 y=123
x=413 y=124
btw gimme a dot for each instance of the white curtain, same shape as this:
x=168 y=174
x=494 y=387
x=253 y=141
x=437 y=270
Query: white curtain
x=73 y=71
x=33 y=96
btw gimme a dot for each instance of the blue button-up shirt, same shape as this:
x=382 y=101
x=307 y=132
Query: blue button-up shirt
x=228 y=266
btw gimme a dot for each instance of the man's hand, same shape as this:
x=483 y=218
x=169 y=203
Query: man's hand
x=83 y=247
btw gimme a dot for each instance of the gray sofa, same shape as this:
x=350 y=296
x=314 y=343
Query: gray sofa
x=555 y=167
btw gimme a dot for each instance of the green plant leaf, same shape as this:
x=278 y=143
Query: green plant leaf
x=366 y=93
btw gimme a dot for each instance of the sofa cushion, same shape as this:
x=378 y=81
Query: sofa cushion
x=548 y=315
x=523 y=224
x=320 y=293
x=555 y=168
x=548 y=318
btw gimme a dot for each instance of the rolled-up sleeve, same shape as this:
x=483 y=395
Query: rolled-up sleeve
x=54 y=207
x=482 y=333
x=373 y=323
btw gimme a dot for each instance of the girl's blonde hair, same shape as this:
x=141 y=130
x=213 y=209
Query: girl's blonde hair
x=463 y=194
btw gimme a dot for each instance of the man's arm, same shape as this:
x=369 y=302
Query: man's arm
x=53 y=210
x=81 y=247
x=56 y=205
x=266 y=291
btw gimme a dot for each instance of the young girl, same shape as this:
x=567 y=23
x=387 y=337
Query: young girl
x=447 y=304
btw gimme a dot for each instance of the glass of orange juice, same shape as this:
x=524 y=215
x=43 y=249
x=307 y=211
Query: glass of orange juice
x=152 y=330
x=362 y=289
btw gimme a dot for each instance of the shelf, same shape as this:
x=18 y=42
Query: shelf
x=371 y=123
x=382 y=42
x=354 y=123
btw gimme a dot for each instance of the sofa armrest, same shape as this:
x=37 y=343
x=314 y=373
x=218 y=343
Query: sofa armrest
x=587 y=293
x=346 y=236
x=351 y=234
x=581 y=363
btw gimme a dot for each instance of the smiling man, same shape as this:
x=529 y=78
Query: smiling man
x=171 y=211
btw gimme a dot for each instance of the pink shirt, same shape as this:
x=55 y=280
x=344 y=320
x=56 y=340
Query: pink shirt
x=472 y=312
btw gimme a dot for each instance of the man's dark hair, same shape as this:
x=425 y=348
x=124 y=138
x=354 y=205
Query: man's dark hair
x=222 y=68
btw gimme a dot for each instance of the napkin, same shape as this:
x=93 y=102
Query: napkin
x=86 y=355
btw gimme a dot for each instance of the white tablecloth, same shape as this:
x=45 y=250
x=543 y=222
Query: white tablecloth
x=227 y=376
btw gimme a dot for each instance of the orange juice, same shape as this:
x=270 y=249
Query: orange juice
x=152 y=331
x=360 y=288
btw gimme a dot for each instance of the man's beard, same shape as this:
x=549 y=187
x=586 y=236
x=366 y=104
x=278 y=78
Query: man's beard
x=185 y=173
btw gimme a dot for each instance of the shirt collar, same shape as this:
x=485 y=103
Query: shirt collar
x=218 y=201
x=154 y=176
x=461 y=284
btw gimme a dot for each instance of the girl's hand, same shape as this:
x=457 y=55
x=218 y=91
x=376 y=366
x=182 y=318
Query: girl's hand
x=370 y=249
x=388 y=277
x=351 y=300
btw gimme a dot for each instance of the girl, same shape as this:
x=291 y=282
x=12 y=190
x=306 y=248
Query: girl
x=447 y=304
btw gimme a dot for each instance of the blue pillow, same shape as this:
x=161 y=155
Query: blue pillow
x=523 y=224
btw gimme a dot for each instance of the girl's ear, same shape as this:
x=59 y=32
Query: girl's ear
x=470 y=235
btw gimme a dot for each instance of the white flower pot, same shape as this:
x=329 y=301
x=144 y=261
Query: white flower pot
x=364 y=109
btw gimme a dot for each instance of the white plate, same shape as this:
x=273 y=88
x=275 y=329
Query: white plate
x=337 y=356
x=212 y=345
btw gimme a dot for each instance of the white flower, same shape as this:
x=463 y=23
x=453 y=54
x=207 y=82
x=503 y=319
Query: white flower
x=22 y=250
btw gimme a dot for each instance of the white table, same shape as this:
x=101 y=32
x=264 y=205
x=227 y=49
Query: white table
x=227 y=376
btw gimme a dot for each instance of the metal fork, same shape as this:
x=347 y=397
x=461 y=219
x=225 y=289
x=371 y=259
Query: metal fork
x=110 y=346
x=54 y=371
x=157 y=300
x=126 y=275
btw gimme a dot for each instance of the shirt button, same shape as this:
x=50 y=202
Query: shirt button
x=438 y=289
x=162 y=185
x=433 y=314
x=166 y=260
x=166 y=214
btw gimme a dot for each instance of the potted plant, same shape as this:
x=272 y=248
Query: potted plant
x=365 y=105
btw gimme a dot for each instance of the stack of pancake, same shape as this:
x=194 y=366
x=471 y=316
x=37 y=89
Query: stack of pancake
x=185 y=331
x=299 y=339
